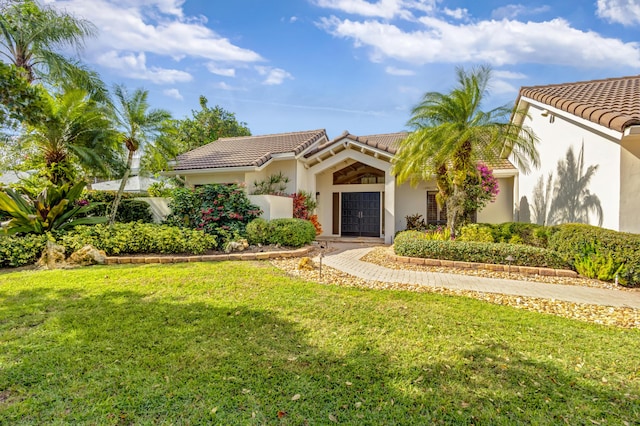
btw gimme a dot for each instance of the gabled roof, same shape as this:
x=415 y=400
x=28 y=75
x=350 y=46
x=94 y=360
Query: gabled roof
x=247 y=151
x=387 y=142
x=613 y=103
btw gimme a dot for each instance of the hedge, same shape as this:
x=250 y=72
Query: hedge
x=284 y=232
x=410 y=243
x=129 y=210
x=138 y=238
x=509 y=232
x=576 y=243
x=20 y=251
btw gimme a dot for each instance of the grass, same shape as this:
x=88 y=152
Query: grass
x=240 y=343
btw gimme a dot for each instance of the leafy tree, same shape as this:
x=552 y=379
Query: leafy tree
x=205 y=126
x=451 y=133
x=18 y=99
x=572 y=200
x=137 y=125
x=77 y=136
x=31 y=37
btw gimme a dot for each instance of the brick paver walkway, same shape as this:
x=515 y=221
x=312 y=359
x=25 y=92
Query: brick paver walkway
x=347 y=259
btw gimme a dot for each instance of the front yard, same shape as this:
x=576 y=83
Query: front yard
x=241 y=343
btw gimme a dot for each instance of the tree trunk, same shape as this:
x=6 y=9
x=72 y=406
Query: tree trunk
x=455 y=208
x=123 y=183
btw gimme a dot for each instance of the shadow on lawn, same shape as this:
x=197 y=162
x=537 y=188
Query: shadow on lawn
x=127 y=357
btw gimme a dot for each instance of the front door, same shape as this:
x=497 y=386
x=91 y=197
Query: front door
x=360 y=214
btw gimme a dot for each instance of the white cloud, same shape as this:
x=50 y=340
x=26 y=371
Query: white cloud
x=398 y=71
x=457 y=13
x=293 y=19
x=275 y=76
x=386 y=9
x=225 y=72
x=494 y=42
x=173 y=93
x=508 y=75
x=625 y=12
x=133 y=65
x=512 y=11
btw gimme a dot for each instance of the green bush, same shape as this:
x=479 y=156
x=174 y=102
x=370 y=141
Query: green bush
x=285 y=232
x=258 y=231
x=410 y=243
x=577 y=242
x=475 y=232
x=20 y=251
x=511 y=232
x=129 y=210
x=136 y=238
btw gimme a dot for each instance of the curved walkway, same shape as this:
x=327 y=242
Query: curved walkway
x=347 y=259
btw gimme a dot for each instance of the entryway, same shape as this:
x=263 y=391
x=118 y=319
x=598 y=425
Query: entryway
x=360 y=215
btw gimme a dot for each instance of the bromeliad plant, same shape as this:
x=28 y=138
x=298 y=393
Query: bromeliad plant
x=54 y=208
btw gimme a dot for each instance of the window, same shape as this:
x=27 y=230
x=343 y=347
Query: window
x=435 y=214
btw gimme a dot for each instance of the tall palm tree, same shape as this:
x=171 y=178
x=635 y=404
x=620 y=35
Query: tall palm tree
x=77 y=135
x=31 y=37
x=137 y=125
x=451 y=134
x=572 y=200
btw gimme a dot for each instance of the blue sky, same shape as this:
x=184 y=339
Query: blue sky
x=356 y=65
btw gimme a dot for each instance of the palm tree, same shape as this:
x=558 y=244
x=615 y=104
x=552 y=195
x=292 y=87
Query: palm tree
x=30 y=37
x=572 y=200
x=76 y=135
x=451 y=134
x=137 y=125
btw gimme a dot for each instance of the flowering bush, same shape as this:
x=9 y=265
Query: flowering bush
x=481 y=188
x=217 y=209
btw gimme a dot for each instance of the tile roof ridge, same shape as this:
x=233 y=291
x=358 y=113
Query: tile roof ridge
x=576 y=83
x=272 y=135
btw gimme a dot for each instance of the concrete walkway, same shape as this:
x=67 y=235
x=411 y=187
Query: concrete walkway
x=346 y=258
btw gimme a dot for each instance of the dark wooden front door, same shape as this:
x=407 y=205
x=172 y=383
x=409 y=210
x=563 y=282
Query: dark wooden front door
x=360 y=214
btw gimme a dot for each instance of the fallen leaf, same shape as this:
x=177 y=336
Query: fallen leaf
x=348 y=383
x=281 y=414
x=333 y=418
x=214 y=410
x=295 y=397
x=358 y=404
x=419 y=379
x=246 y=391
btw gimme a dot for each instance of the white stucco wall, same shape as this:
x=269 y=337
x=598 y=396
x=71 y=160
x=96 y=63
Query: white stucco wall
x=205 y=178
x=287 y=167
x=630 y=184
x=273 y=206
x=501 y=210
x=557 y=135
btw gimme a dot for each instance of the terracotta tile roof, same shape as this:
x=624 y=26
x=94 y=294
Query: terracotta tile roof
x=252 y=151
x=386 y=142
x=613 y=103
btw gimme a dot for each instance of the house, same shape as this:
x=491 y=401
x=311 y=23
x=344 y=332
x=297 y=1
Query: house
x=349 y=175
x=585 y=129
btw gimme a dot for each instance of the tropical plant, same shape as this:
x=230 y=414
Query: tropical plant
x=275 y=184
x=56 y=207
x=572 y=200
x=451 y=134
x=76 y=136
x=31 y=37
x=18 y=99
x=137 y=125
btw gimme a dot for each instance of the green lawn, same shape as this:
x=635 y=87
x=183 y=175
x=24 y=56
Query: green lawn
x=241 y=343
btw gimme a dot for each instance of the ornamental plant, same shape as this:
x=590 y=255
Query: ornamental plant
x=481 y=188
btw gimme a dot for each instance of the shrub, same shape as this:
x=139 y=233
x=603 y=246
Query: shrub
x=285 y=232
x=220 y=210
x=475 y=232
x=20 y=251
x=303 y=205
x=129 y=210
x=410 y=243
x=514 y=232
x=415 y=222
x=577 y=242
x=258 y=231
x=137 y=237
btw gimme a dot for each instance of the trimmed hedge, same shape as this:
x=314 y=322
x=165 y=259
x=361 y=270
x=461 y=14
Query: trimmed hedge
x=137 y=238
x=410 y=243
x=576 y=242
x=285 y=232
x=129 y=210
x=509 y=232
x=20 y=251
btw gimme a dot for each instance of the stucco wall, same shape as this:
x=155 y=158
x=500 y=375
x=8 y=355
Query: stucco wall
x=501 y=210
x=204 y=179
x=411 y=201
x=287 y=167
x=630 y=185
x=273 y=206
x=557 y=135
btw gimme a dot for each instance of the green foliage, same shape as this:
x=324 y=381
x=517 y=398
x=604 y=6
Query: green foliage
x=130 y=210
x=475 y=232
x=276 y=184
x=577 y=242
x=593 y=264
x=303 y=205
x=415 y=222
x=18 y=99
x=139 y=238
x=218 y=209
x=159 y=189
x=284 y=232
x=20 y=251
x=509 y=232
x=410 y=243
x=56 y=207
